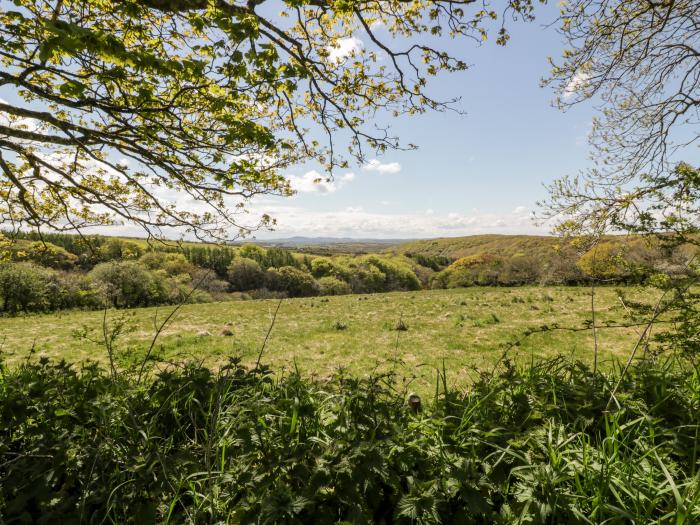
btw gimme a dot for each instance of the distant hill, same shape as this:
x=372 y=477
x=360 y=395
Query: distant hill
x=316 y=241
x=328 y=245
x=502 y=245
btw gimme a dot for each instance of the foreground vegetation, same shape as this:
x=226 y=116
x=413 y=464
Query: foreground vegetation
x=526 y=445
x=463 y=328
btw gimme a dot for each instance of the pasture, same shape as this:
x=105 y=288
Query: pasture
x=466 y=329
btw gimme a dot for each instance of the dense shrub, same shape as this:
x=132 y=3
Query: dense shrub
x=472 y=270
x=397 y=274
x=42 y=253
x=172 y=263
x=323 y=267
x=605 y=261
x=83 y=246
x=208 y=281
x=73 y=290
x=333 y=286
x=25 y=287
x=128 y=284
x=505 y=261
x=180 y=289
x=519 y=270
x=531 y=445
x=562 y=269
x=118 y=250
x=366 y=278
x=293 y=281
x=245 y=274
x=434 y=262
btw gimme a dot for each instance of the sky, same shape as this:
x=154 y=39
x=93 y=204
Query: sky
x=482 y=172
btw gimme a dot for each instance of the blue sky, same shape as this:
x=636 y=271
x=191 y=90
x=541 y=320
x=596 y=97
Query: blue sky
x=476 y=173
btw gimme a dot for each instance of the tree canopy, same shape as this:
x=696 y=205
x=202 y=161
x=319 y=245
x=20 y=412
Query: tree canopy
x=175 y=113
x=640 y=61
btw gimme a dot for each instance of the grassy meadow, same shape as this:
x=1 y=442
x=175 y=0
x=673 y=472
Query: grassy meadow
x=464 y=328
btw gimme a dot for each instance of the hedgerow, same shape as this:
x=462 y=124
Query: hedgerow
x=535 y=444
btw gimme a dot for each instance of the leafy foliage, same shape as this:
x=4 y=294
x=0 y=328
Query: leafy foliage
x=245 y=274
x=293 y=281
x=528 y=445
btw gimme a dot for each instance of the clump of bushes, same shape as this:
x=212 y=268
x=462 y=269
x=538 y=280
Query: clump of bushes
x=333 y=286
x=292 y=281
x=618 y=259
x=27 y=287
x=41 y=253
x=317 y=276
x=127 y=284
x=245 y=274
x=189 y=445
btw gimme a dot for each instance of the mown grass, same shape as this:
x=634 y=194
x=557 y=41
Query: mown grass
x=462 y=329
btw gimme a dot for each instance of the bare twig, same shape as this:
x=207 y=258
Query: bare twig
x=267 y=335
x=593 y=326
x=108 y=345
x=398 y=334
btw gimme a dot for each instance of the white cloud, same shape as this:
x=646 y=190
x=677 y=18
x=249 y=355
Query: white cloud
x=345 y=47
x=361 y=223
x=357 y=222
x=314 y=182
x=376 y=165
x=578 y=81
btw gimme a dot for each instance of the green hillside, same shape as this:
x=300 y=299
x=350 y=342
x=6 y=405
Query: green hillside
x=502 y=245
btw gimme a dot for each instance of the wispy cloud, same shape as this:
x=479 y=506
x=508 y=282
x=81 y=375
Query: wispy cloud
x=314 y=182
x=380 y=167
x=358 y=222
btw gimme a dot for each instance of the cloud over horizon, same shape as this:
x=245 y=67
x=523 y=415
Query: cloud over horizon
x=360 y=223
x=356 y=222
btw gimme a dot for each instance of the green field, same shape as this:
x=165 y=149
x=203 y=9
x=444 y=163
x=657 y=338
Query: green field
x=465 y=328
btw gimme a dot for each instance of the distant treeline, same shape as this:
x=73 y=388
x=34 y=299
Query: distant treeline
x=625 y=260
x=57 y=271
